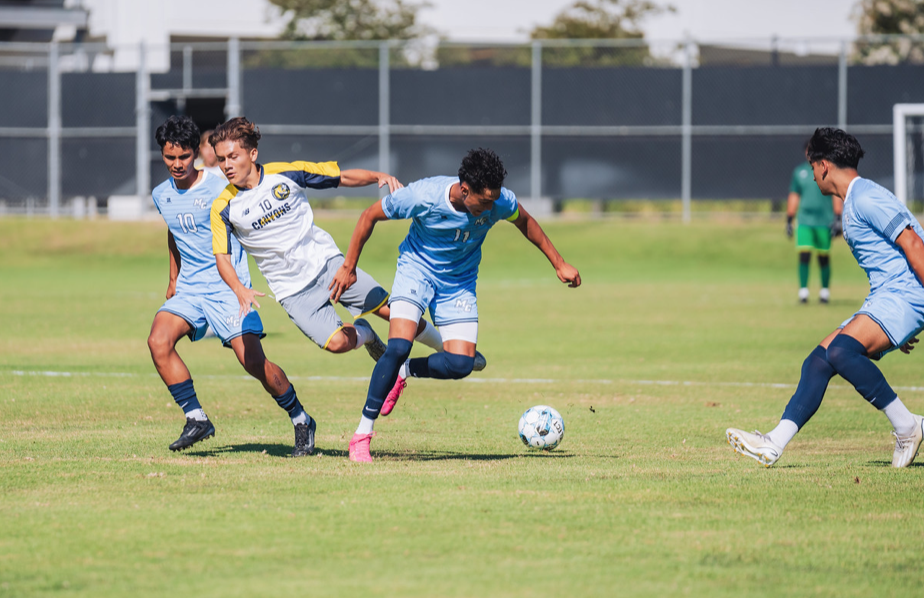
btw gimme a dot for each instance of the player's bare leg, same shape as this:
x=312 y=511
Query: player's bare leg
x=428 y=334
x=249 y=352
x=166 y=330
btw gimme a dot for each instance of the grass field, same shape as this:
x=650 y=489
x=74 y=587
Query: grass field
x=677 y=333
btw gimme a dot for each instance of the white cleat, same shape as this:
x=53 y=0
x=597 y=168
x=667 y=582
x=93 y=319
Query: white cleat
x=754 y=445
x=906 y=447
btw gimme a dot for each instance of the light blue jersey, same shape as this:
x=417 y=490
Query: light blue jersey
x=187 y=214
x=443 y=241
x=873 y=219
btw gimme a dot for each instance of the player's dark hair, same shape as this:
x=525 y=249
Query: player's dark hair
x=482 y=169
x=237 y=129
x=836 y=146
x=178 y=130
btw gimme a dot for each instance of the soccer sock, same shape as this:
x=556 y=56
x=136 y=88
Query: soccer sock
x=289 y=401
x=804 y=258
x=824 y=264
x=442 y=366
x=430 y=336
x=365 y=425
x=848 y=357
x=783 y=432
x=816 y=373
x=385 y=374
x=362 y=335
x=185 y=396
x=900 y=418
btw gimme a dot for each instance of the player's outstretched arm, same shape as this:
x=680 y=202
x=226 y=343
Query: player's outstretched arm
x=175 y=262
x=346 y=274
x=245 y=296
x=532 y=231
x=358 y=177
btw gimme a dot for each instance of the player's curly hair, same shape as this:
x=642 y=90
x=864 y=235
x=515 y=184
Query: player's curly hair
x=482 y=169
x=178 y=130
x=836 y=146
x=237 y=129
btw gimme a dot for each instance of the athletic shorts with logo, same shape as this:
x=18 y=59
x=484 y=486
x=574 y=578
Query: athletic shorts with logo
x=219 y=311
x=311 y=310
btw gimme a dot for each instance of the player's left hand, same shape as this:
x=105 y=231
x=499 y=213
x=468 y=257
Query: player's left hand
x=393 y=183
x=568 y=273
x=343 y=279
x=909 y=346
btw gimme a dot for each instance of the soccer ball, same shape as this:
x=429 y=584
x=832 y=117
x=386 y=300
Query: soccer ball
x=541 y=427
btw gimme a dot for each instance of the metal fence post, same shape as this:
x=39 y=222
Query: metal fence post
x=384 y=107
x=686 y=150
x=142 y=122
x=54 y=131
x=233 y=105
x=842 y=87
x=535 y=130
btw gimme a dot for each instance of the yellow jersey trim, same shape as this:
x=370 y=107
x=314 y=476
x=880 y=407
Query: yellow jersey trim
x=329 y=169
x=220 y=223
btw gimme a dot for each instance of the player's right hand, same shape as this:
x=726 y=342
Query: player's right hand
x=343 y=279
x=789 y=227
x=247 y=297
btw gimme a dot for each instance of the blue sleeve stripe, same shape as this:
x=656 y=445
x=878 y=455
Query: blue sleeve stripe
x=898 y=223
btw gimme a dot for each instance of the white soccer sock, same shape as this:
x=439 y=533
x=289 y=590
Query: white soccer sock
x=430 y=337
x=362 y=335
x=403 y=370
x=300 y=418
x=902 y=419
x=365 y=425
x=197 y=414
x=783 y=433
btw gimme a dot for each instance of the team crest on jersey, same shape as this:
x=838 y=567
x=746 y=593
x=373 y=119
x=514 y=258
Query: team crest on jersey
x=281 y=191
x=202 y=204
x=481 y=221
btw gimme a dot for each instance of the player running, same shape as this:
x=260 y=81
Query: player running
x=819 y=220
x=197 y=297
x=266 y=208
x=887 y=242
x=437 y=270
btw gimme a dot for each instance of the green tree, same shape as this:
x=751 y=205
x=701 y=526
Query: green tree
x=600 y=19
x=885 y=17
x=343 y=20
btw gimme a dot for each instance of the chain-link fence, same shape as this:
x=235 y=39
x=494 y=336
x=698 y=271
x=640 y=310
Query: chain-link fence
x=599 y=120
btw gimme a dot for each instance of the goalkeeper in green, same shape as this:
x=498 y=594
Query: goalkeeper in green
x=819 y=219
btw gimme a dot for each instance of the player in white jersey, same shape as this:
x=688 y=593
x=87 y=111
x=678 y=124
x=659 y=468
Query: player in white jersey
x=888 y=243
x=199 y=300
x=438 y=271
x=266 y=208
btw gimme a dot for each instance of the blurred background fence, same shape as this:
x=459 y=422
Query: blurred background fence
x=596 y=120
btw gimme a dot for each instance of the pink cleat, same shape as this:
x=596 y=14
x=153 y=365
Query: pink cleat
x=393 y=396
x=359 y=448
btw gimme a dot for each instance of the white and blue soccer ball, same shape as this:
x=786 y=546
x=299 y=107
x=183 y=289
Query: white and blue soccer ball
x=541 y=427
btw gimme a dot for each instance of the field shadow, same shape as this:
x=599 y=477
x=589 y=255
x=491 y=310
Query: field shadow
x=275 y=450
x=885 y=463
x=446 y=455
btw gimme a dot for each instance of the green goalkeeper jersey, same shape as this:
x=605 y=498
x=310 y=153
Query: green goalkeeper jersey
x=815 y=209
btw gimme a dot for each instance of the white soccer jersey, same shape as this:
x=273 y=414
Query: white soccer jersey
x=275 y=224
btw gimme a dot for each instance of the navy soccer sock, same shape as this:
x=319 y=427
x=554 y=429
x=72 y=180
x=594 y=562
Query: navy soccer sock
x=848 y=357
x=442 y=366
x=289 y=401
x=385 y=375
x=816 y=373
x=185 y=396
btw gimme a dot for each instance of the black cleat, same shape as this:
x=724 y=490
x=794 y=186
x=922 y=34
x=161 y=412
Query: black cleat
x=304 y=439
x=193 y=432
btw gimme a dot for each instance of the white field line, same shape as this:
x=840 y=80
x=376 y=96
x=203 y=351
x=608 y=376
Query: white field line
x=53 y=374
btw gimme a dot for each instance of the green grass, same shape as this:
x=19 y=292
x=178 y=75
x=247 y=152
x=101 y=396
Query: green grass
x=643 y=497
